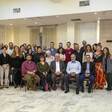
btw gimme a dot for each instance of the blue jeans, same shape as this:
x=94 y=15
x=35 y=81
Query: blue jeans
x=83 y=77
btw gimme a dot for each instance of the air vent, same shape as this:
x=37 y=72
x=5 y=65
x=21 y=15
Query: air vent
x=75 y=19
x=84 y=3
x=16 y=10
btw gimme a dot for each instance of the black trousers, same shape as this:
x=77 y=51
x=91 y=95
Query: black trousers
x=17 y=76
x=108 y=77
x=43 y=79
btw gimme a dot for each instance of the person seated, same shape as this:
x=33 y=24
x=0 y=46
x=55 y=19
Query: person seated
x=43 y=72
x=29 y=70
x=88 y=71
x=73 y=71
x=57 y=68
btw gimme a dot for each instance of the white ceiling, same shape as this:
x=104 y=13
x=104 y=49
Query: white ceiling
x=60 y=19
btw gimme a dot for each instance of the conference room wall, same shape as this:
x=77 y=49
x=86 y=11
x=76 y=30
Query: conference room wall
x=85 y=31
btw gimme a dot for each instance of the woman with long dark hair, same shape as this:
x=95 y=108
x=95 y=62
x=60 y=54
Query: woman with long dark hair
x=62 y=54
x=16 y=61
x=29 y=51
x=88 y=51
x=107 y=67
x=94 y=47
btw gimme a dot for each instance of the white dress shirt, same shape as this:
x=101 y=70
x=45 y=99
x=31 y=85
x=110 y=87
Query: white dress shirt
x=73 y=67
x=57 y=66
x=9 y=51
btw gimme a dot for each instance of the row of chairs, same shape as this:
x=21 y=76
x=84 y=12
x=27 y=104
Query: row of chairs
x=57 y=79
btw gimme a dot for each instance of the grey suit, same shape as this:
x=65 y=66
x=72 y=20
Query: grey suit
x=53 y=70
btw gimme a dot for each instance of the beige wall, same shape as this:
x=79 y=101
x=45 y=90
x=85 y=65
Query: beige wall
x=2 y=34
x=16 y=34
x=88 y=32
x=62 y=34
x=84 y=31
x=106 y=33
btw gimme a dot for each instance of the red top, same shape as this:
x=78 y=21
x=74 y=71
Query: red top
x=68 y=53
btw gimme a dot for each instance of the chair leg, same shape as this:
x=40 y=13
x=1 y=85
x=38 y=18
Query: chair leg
x=93 y=88
x=25 y=86
x=21 y=84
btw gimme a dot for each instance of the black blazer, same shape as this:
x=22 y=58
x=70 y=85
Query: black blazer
x=92 y=68
x=53 y=67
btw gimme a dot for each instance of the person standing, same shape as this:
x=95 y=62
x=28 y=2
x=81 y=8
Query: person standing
x=77 y=53
x=29 y=51
x=38 y=54
x=52 y=49
x=16 y=62
x=68 y=52
x=99 y=73
x=10 y=50
x=49 y=58
x=107 y=67
x=5 y=62
x=82 y=49
x=88 y=51
x=62 y=54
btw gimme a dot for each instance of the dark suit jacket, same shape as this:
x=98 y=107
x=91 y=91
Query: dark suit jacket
x=92 y=68
x=78 y=55
x=53 y=67
x=37 y=57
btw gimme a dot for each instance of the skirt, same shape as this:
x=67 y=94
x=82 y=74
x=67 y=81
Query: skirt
x=99 y=75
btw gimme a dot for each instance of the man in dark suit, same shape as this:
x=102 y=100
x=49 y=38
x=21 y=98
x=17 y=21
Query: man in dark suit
x=88 y=71
x=57 y=68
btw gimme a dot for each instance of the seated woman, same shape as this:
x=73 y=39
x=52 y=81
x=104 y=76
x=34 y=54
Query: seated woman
x=43 y=70
x=62 y=54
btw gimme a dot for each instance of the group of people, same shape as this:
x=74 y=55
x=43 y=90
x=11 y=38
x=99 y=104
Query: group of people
x=46 y=66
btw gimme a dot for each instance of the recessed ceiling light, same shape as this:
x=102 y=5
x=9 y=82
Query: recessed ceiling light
x=24 y=19
x=95 y=13
x=11 y=24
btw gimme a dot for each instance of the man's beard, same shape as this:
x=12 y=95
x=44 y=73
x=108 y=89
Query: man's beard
x=11 y=47
x=28 y=60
